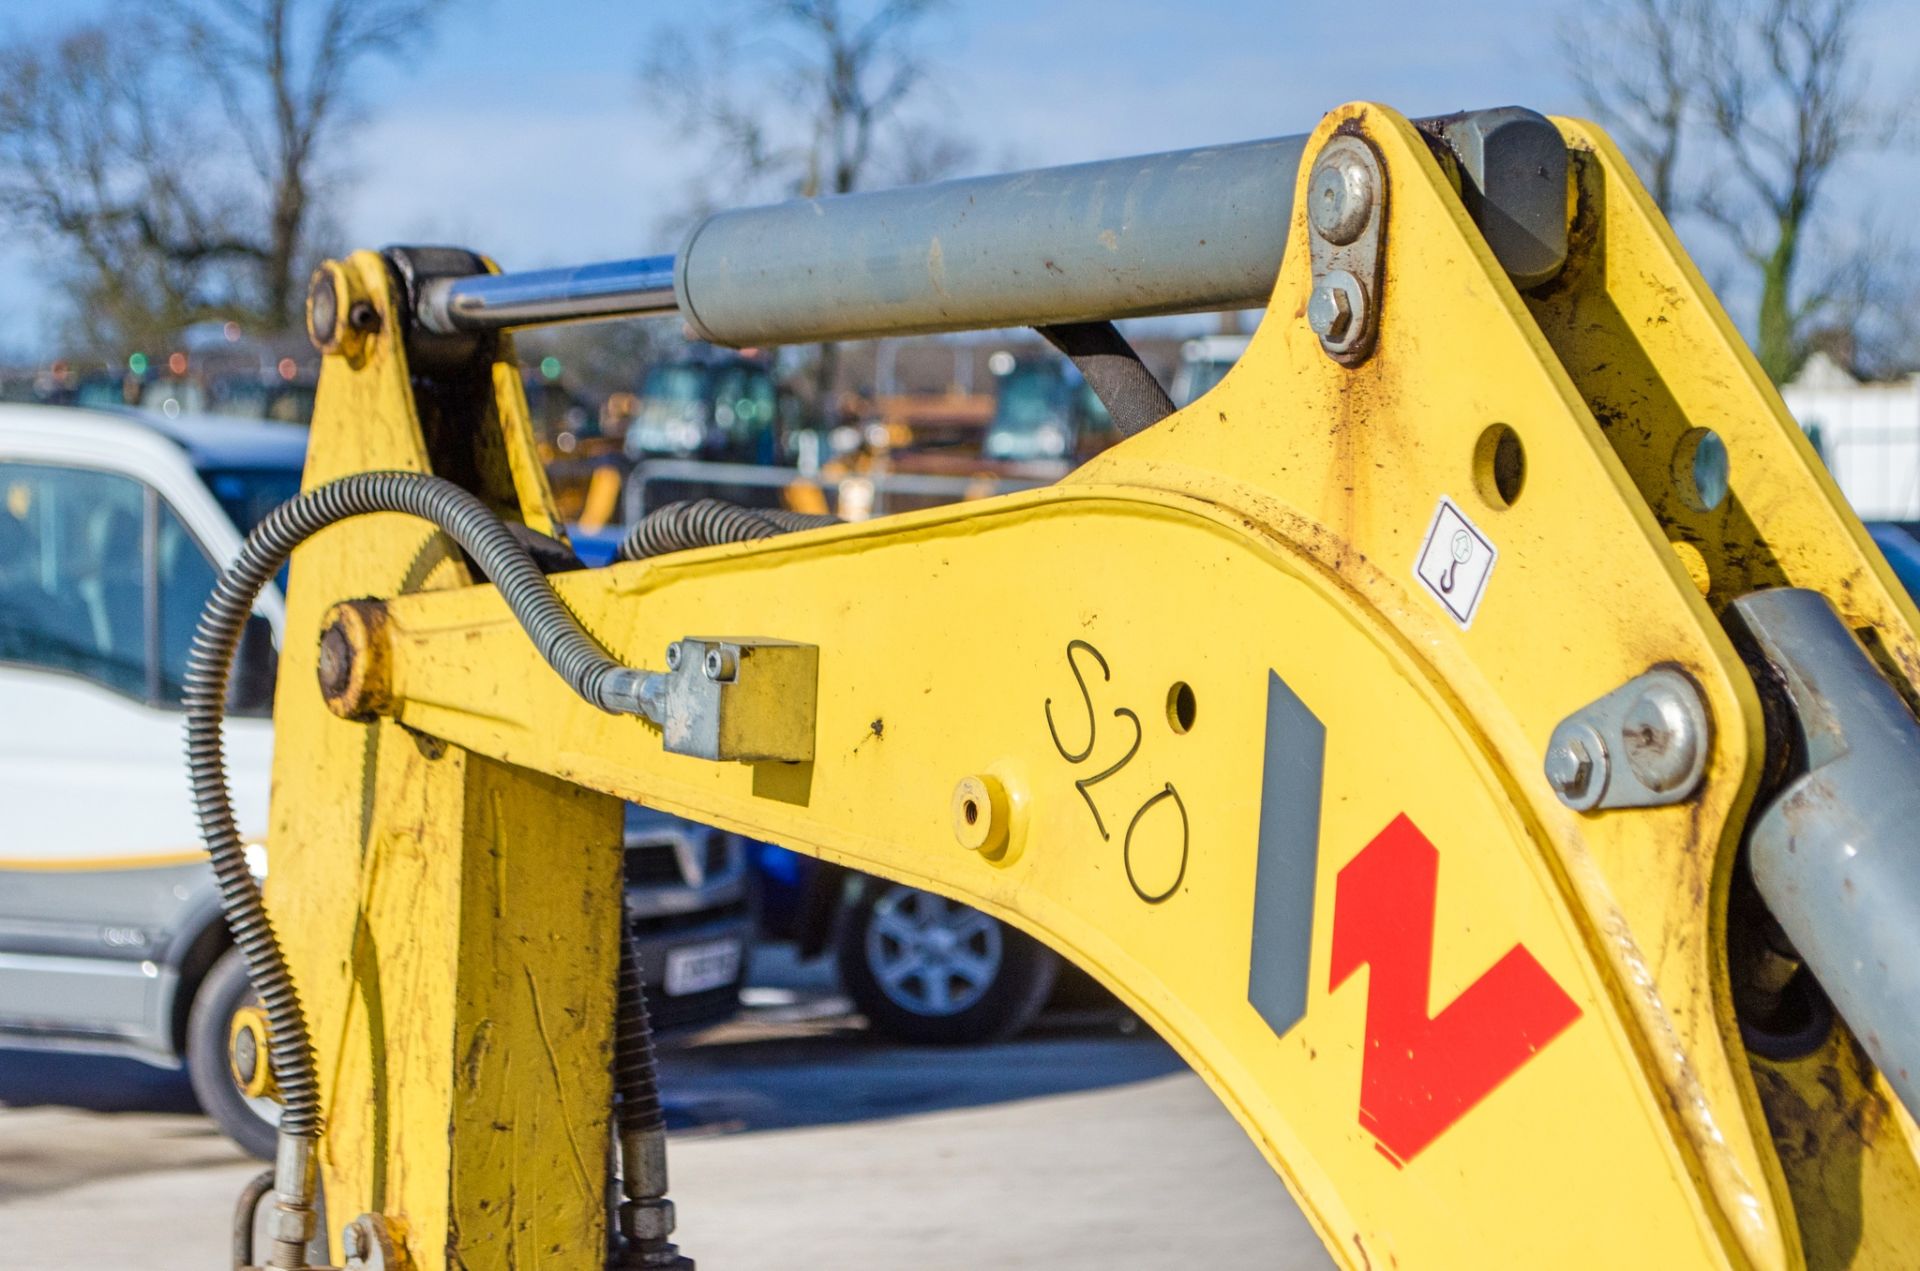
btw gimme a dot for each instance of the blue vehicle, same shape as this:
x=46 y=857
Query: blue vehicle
x=1901 y=547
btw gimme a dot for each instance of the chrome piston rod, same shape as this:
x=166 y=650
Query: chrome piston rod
x=1184 y=232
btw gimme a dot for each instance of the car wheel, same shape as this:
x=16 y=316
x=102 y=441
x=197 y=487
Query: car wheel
x=225 y=995
x=923 y=968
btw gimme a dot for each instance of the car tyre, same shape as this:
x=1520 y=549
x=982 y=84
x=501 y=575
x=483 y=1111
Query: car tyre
x=929 y=970
x=251 y=1123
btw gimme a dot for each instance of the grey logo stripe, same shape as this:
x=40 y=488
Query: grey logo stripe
x=1289 y=858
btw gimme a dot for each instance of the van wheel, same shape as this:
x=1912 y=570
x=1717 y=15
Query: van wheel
x=252 y=1122
x=923 y=968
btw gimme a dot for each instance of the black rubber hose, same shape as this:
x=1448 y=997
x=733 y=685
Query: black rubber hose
x=243 y=1214
x=635 y=1080
x=554 y=631
x=791 y=522
x=678 y=527
x=1115 y=373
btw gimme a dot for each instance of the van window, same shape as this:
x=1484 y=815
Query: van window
x=98 y=578
x=72 y=573
x=186 y=579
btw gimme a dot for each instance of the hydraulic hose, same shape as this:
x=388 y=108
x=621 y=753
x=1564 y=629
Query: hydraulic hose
x=1134 y=399
x=555 y=633
x=646 y=1217
x=678 y=527
x=634 y=1081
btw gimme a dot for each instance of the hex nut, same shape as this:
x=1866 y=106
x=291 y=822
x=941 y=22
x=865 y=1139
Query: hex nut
x=1329 y=313
x=1577 y=765
x=1569 y=768
x=647 y=1220
x=293 y=1226
x=1337 y=311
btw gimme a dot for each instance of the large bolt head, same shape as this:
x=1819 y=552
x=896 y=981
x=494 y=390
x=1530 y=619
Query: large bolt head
x=1662 y=738
x=353 y=1241
x=335 y=667
x=1340 y=198
x=323 y=310
x=1330 y=313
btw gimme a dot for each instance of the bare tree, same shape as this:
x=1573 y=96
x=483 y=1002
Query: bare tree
x=1764 y=100
x=819 y=101
x=177 y=156
x=1636 y=63
x=283 y=70
x=1788 y=99
x=96 y=162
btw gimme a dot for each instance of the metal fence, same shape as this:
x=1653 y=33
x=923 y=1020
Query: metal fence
x=856 y=496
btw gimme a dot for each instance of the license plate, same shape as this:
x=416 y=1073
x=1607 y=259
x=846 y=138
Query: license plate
x=695 y=968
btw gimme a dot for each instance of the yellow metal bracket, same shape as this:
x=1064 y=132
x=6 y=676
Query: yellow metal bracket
x=1207 y=717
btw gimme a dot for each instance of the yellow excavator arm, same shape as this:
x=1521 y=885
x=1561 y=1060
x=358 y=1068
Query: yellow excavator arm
x=1421 y=730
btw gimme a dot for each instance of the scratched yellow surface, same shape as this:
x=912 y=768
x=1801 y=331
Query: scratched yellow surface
x=1272 y=525
x=450 y=921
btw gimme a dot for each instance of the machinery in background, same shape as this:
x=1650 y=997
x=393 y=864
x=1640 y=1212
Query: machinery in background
x=1204 y=362
x=715 y=405
x=1045 y=413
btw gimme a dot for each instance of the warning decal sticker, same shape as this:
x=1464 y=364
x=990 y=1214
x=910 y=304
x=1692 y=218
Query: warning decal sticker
x=1455 y=562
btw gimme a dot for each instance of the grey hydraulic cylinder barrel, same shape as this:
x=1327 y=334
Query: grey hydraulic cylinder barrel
x=1834 y=856
x=1190 y=231
x=1185 y=232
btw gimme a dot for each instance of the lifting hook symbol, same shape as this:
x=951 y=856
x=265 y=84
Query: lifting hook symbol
x=1462 y=551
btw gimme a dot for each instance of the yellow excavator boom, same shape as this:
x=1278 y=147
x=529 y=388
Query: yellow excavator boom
x=1398 y=728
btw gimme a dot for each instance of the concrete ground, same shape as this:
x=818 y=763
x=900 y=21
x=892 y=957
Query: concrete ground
x=800 y=1141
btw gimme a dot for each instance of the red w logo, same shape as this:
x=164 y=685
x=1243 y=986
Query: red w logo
x=1420 y=1074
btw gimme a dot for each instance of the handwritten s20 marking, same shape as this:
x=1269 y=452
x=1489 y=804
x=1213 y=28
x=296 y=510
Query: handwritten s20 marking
x=1084 y=785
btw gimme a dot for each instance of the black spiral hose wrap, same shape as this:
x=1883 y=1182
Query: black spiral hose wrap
x=634 y=1078
x=678 y=527
x=554 y=631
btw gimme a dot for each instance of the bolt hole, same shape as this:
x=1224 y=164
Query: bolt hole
x=1700 y=469
x=1180 y=707
x=1499 y=466
x=971 y=811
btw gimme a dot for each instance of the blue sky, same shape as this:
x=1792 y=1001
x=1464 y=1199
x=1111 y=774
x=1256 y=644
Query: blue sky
x=519 y=129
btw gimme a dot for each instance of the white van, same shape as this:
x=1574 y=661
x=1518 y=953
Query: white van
x=111 y=937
